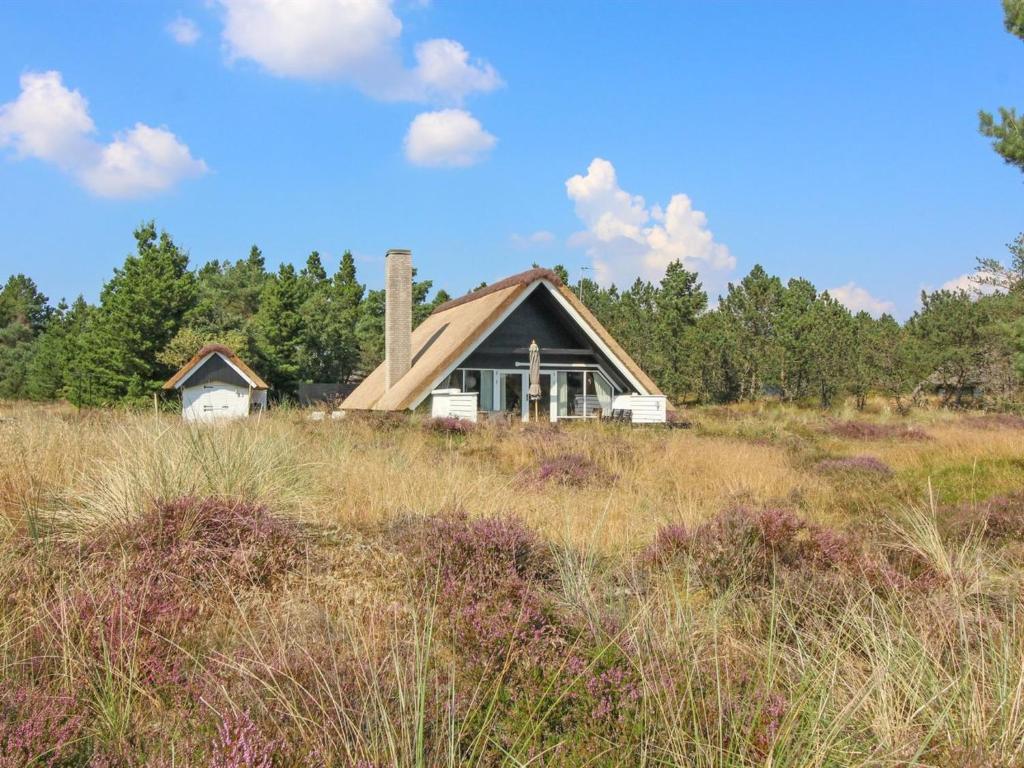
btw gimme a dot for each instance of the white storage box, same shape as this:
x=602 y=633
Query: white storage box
x=452 y=403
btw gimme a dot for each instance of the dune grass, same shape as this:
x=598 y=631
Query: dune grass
x=771 y=587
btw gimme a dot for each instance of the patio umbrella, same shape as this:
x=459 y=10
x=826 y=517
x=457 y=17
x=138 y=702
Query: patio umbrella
x=534 y=375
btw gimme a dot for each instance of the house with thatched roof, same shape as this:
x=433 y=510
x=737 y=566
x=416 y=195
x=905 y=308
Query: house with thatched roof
x=479 y=345
x=217 y=384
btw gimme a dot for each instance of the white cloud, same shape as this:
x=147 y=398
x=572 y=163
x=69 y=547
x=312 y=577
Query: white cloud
x=857 y=299
x=49 y=122
x=310 y=38
x=140 y=162
x=184 y=31
x=535 y=239
x=444 y=71
x=352 y=40
x=962 y=283
x=448 y=137
x=968 y=282
x=625 y=238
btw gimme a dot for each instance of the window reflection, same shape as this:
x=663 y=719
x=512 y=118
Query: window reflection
x=583 y=394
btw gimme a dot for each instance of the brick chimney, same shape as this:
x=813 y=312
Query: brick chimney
x=397 y=315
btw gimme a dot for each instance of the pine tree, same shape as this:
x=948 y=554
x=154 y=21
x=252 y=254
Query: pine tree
x=830 y=346
x=1004 y=277
x=330 y=318
x=24 y=314
x=863 y=373
x=23 y=303
x=370 y=330
x=717 y=359
x=950 y=329
x=794 y=358
x=76 y=326
x=895 y=359
x=313 y=273
x=278 y=329
x=421 y=307
x=141 y=309
x=634 y=328
x=44 y=376
x=679 y=302
x=227 y=299
x=1008 y=134
x=228 y=294
x=751 y=311
x=256 y=260
x=348 y=294
x=601 y=301
x=16 y=342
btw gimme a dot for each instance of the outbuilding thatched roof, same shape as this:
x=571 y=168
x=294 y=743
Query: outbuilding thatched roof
x=228 y=354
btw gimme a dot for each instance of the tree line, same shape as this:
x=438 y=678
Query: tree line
x=769 y=338
x=764 y=338
x=293 y=325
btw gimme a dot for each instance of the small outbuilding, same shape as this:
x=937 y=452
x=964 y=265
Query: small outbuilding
x=216 y=384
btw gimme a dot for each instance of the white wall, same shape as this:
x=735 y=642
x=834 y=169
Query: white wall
x=647 y=409
x=214 y=401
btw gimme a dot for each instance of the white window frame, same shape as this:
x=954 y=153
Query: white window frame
x=552 y=371
x=596 y=370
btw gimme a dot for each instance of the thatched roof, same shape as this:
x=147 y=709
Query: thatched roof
x=228 y=354
x=456 y=328
x=523 y=278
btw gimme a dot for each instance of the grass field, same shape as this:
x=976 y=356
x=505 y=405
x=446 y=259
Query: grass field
x=770 y=587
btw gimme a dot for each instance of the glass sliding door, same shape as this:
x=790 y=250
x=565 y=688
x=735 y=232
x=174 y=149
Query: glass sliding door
x=487 y=391
x=570 y=394
x=583 y=394
x=510 y=393
x=599 y=394
x=481 y=382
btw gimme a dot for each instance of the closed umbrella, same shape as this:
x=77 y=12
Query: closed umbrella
x=534 y=375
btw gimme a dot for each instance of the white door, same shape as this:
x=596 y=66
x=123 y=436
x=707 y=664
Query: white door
x=210 y=402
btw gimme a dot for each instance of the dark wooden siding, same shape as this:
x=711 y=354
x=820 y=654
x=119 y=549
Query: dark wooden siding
x=560 y=338
x=216 y=369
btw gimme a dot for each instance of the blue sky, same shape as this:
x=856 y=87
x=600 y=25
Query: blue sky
x=836 y=141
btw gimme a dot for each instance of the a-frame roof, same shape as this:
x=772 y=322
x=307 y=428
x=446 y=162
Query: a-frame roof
x=457 y=327
x=178 y=380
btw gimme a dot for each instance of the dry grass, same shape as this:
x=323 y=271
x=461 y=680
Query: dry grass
x=878 y=630
x=79 y=469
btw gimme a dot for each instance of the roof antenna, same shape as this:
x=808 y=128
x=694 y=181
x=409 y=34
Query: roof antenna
x=579 y=290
